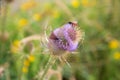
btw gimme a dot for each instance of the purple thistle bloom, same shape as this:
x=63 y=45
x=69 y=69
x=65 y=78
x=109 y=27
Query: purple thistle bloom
x=65 y=38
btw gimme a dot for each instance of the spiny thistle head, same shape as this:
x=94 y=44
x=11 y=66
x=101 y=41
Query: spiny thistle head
x=65 y=38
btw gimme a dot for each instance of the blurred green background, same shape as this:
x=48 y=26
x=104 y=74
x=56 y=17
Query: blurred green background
x=97 y=57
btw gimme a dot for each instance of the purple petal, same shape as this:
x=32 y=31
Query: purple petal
x=72 y=47
x=63 y=38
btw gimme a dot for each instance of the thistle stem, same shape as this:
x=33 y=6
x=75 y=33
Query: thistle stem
x=48 y=66
x=62 y=58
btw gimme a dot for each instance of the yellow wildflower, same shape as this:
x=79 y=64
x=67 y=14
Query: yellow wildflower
x=31 y=58
x=47 y=6
x=15 y=46
x=26 y=63
x=16 y=43
x=116 y=55
x=113 y=44
x=93 y=2
x=22 y=22
x=37 y=17
x=14 y=49
x=85 y=2
x=28 y=5
x=56 y=14
x=75 y=3
x=25 y=69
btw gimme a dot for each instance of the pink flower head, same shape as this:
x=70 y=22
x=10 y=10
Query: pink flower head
x=65 y=38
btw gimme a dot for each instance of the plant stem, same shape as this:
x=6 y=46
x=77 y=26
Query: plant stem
x=64 y=60
x=48 y=66
x=4 y=16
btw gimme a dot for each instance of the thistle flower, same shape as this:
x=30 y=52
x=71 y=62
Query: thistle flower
x=65 y=38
